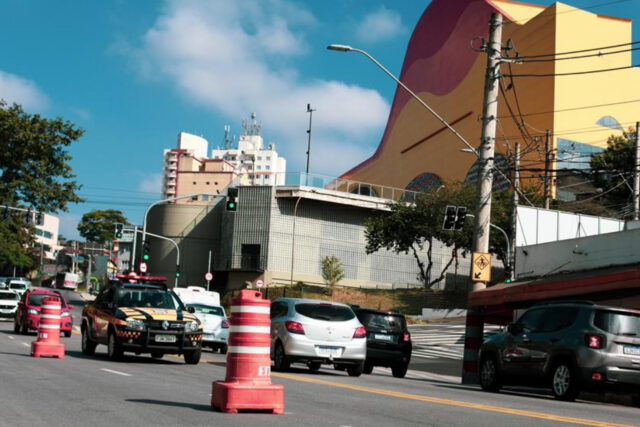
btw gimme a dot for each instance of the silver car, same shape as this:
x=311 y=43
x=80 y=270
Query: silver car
x=316 y=332
x=215 y=326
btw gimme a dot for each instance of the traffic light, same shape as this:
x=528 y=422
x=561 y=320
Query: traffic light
x=119 y=228
x=145 y=251
x=40 y=218
x=461 y=215
x=449 y=218
x=28 y=217
x=177 y=271
x=232 y=199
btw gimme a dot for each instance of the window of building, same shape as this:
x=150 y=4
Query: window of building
x=258 y=167
x=267 y=167
x=268 y=158
x=205 y=197
x=194 y=198
x=259 y=157
x=48 y=234
x=251 y=176
x=266 y=177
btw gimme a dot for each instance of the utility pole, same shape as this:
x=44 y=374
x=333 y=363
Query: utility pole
x=636 y=180
x=547 y=169
x=475 y=315
x=310 y=111
x=514 y=215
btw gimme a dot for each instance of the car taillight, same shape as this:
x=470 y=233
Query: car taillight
x=294 y=327
x=594 y=341
x=360 y=332
x=406 y=337
x=225 y=324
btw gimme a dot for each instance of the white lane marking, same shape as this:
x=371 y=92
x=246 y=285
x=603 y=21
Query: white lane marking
x=115 y=372
x=10 y=337
x=26 y=345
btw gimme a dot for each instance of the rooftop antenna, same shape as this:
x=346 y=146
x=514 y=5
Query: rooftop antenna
x=251 y=128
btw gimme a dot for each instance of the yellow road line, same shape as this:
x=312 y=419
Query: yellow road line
x=450 y=402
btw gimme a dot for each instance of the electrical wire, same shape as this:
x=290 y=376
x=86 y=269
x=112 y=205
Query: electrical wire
x=595 y=6
x=586 y=107
x=575 y=73
x=599 y=54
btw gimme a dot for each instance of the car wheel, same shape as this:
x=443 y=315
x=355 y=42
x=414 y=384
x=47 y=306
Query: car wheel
x=399 y=370
x=314 y=366
x=24 y=330
x=489 y=375
x=67 y=334
x=16 y=326
x=113 y=348
x=280 y=361
x=368 y=368
x=355 y=370
x=223 y=349
x=157 y=355
x=88 y=346
x=192 y=357
x=564 y=382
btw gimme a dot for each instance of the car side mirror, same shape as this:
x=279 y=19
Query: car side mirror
x=191 y=309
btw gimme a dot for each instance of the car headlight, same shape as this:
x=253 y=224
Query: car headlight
x=135 y=324
x=65 y=314
x=191 y=326
x=33 y=311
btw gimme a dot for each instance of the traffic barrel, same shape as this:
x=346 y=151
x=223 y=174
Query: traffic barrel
x=247 y=383
x=48 y=343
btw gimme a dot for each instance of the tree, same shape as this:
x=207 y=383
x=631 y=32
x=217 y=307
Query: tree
x=34 y=172
x=332 y=271
x=98 y=225
x=413 y=227
x=613 y=168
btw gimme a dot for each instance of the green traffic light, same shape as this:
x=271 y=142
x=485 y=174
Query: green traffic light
x=177 y=274
x=232 y=205
x=145 y=257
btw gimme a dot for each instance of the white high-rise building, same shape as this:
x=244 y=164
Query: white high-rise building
x=255 y=164
x=188 y=170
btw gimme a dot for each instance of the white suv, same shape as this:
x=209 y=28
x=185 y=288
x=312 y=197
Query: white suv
x=316 y=332
x=8 y=303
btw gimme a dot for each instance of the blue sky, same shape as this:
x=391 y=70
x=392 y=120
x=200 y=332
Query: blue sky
x=134 y=74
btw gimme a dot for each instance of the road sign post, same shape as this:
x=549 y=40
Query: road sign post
x=259 y=283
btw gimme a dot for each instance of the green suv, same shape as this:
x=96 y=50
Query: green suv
x=567 y=346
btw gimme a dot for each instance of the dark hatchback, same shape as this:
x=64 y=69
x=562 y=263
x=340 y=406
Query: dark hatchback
x=388 y=340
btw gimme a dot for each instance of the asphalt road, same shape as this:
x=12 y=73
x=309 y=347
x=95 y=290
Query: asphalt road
x=140 y=391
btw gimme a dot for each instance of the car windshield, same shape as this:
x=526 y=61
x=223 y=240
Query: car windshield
x=382 y=321
x=36 y=299
x=618 y=323
x=207 y=309
x=9 y=296
x=328 y=312
x=15 y=285
x=152 y=298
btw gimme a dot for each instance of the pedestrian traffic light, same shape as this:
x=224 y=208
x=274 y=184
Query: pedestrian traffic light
x=449 y=218
x=40 y=218
x=232 y=199
x=461 y=216
x=119 y=228
x=145 y=251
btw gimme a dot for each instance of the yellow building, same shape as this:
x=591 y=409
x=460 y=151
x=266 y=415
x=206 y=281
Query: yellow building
x=445 y=67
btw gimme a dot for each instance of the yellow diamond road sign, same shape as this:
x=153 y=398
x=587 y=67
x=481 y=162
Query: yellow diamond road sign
x=481 y=267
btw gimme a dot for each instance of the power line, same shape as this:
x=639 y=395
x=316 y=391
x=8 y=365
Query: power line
x=599 y=54
x=595 y=6
x=586 y=107
x=582 y=51
x=575 y=73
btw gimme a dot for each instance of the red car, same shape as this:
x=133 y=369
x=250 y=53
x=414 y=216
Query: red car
x=28 y=314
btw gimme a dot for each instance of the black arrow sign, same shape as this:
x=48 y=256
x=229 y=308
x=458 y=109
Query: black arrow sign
x=477 y=275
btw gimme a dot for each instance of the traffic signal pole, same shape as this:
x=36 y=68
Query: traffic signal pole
x=174 y=244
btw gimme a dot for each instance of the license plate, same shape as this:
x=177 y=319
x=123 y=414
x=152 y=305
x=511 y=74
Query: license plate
x=165 y=338
x=329 y=351
x=208 y=337
x=632 y=350
x=382 y=337
x=6 y=310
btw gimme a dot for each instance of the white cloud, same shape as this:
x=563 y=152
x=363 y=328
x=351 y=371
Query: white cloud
x=380 y=25
x=151 y=183
x=239 y=57
x=69 y=226
x=15 y=89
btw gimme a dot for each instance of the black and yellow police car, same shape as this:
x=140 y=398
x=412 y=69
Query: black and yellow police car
x=140 y=314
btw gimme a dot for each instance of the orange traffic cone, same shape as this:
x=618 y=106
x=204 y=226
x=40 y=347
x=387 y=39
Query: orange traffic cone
x=48 y=343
